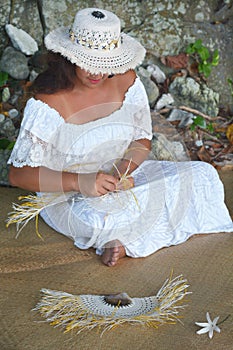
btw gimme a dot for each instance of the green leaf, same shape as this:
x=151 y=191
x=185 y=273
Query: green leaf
x=192 y=127
x=199 y=121
x=3 y=78
x=230 y=83
x=204 y=68
x=203 y=57
x=210 y=127
x=200 y=67
x=215 y=60
x=207 y=70
x=4 y=143
x=204 y=53
x=190 y=49
x=198 y=44
x=11 y=145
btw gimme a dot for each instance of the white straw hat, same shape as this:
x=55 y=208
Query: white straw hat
x=95 y=43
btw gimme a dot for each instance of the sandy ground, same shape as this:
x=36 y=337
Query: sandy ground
x=29 y=264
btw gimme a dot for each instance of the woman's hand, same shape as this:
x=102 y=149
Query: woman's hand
x=125 y=183
x=95 y=185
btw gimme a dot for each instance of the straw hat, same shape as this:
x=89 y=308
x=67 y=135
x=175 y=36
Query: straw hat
x=95 y=43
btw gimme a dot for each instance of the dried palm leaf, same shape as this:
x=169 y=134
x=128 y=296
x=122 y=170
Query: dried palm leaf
x=30 y=208
x=32 y=204
x=86 y=312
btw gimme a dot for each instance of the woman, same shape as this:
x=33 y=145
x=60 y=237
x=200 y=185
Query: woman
x=83 y=145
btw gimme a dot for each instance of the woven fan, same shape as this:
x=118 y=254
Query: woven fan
x=85 y=312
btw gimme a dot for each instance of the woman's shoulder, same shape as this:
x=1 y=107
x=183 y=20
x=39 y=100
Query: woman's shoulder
x=127 y=79
x=48 y=99
x=128 y=84
x=133 y=87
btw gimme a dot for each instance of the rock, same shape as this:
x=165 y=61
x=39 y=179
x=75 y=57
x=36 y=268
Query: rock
x=17 y=92
x=120 y=299
x=2 y=118
x=24 y=15
x=163 y=149
x=4 y=167
x=199 y=143
x=161 y=26
x=186 y=91
x=156 y=73
x=184 y=117
x=7 y=128
x=14 y=98
x=13 y=113
x=21 y=40
x=151 y=88
x=33 y=75
x=5 y=94
x=164 y=101
x=14 y=63
x=160 y=125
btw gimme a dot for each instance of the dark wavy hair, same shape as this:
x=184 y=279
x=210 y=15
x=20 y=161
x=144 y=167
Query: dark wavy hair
x=59 y=74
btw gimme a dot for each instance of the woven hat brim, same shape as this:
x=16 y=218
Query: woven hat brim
x=117 y=61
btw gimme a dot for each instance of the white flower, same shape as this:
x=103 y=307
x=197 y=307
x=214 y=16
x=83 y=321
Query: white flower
x=210 y=327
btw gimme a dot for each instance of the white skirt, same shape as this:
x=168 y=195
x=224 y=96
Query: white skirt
x=171 y=201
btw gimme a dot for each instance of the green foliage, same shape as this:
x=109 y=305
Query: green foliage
x=6 y=144
x=205 y=59
x=230 y=83
x=201 y=123
x=3 y=78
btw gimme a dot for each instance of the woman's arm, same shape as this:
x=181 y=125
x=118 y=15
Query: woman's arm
x=136 y=153
x=42 y=179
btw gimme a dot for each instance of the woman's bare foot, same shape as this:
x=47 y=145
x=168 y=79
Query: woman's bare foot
x=113 y=251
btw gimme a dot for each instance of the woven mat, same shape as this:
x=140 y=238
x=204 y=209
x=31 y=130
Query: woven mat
x=206 y=261
x=18 y=259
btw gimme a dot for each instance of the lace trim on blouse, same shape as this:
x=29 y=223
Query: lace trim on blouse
x=44 y=133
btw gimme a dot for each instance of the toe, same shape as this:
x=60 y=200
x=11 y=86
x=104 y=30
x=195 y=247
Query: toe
x=112 y=253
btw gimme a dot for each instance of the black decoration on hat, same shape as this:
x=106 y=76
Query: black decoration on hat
x=98 y=14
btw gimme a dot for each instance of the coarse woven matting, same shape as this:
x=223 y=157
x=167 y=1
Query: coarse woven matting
x=206 y=261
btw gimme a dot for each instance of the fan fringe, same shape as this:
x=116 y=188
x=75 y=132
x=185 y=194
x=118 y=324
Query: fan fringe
x=32 y=205
x=30 y=208
x=65 y=310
